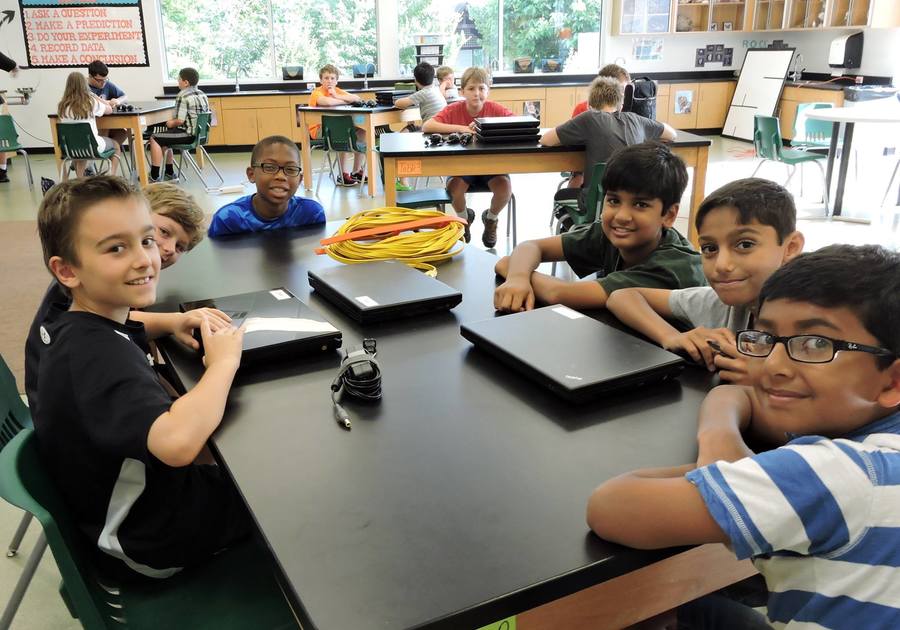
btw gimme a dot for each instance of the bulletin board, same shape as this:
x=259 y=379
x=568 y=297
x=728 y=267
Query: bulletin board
x=66 y=34
x=758 y=89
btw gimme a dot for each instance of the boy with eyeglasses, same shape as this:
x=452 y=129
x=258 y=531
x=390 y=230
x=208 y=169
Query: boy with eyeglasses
x=820 y=514
x=275 y=169
x=109 y=93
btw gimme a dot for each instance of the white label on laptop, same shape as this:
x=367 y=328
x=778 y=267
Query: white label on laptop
x=286 y=324
x=565 y=311
x=278 y=294
x=365 y=300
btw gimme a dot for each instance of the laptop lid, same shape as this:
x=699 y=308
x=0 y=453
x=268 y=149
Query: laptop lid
x=575 y=356
x=502 y=122
x=382 y=290
x=277 y=324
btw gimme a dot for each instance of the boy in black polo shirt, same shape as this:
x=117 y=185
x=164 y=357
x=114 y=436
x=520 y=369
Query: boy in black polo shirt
x=118 y=448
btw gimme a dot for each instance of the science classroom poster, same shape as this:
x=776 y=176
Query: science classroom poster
x=65 y=34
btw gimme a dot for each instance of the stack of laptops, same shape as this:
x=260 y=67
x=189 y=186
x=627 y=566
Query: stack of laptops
x=506 y=129
x=573 y=355
x=277 y=324
x=387 y=97
x=380 y=291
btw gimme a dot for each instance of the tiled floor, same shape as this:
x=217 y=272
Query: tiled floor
x=42 y=607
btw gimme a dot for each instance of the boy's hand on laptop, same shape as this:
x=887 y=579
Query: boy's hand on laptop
x=222 y=347
x=696 y=343
x=190 y=320
x=514 y=295
x=733 y=368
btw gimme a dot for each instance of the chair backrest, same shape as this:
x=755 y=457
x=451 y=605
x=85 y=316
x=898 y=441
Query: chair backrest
x=361 y=70
x=339 y=133
x=9 y=139
x=202 y=135
x=594 y=195
x=24 y=482
x=77 y=140
x=767 y=137
x=14 y=415
x=809 y=130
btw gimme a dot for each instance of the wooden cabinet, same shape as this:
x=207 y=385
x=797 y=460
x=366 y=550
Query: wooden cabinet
x=806 y=14
x=216 y=129
x=729 y=15
x=701 y=105
x=274 y=121
x=521 y=101
x=248 y=119
x=240 y=126
x=683 y=102
x=793 y=96
x=560 y=103
x=769 y=15
x=662 y=102
x=641 y=16
x=714 y=99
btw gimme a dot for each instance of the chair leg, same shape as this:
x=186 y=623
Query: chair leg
x=758 y=166
x=824 y=186
x=13 y=548
x=800 y=167
x=64 y=169
x=890 y=182
x=791 y=171
x=215 y=168
x=24 y=154
x=28 y=571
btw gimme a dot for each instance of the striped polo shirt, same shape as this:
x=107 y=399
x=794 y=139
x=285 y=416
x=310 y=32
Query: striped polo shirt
x=821 y=520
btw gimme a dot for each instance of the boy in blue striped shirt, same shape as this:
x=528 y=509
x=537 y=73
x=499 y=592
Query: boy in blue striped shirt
x=820 y=515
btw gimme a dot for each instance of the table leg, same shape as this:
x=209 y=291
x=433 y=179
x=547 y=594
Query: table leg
x=140 y=163
x=832 y=155
x=698 y=193
x=305 y=152
x=842 y=170
x=371 y=157
x=56 y=151
x=390 y=176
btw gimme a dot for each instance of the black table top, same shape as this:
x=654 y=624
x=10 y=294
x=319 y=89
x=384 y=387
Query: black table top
x=140 y=107
x=413 y=145
x=456 y=501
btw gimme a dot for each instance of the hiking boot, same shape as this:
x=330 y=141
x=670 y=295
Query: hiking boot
x=489 y=238
x=470 y=216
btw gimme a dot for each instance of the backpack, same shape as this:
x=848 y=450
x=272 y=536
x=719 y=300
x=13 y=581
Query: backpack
x=643 y=98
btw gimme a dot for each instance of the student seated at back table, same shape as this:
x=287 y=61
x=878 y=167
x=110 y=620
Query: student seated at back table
x=328 y=94
x=79 y=105
x=603 y=130
x=818 y=515
x=609 y=70
x=427 y=97
x=179 y=226
x=109 y=94
x=275 y=169
x=119 y=450
x=446 y=82
x=747 y=230
x=182 y=128
x=632 y=245
x=460 y=117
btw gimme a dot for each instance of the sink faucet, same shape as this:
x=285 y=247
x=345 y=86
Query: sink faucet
x=237 y=83
x=798 y=70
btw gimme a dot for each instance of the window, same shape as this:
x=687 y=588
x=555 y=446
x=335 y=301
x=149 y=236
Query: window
x=256 y=37
x=536 y=35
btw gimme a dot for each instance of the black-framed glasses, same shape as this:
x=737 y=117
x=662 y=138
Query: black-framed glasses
x=802 y=348
x=99 y=79
x=270 y=169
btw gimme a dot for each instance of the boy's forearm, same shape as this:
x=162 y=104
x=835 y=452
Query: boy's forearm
x=724 y=416
x=176 y=437
x=587 y=294
x=328 y=101
x=434 y=126
x=633 y=310
x=155 y=324
x=523 y=260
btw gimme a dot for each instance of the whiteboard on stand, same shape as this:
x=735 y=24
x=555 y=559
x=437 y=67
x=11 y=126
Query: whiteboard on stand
x=758 y=89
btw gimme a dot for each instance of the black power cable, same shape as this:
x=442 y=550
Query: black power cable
x=359 y=377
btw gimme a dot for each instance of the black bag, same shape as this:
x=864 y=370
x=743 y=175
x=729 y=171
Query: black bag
x=643 y=99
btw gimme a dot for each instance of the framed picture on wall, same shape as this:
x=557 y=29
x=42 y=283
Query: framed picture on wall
x=727 y=26
x=713 y=26
x=684 y=101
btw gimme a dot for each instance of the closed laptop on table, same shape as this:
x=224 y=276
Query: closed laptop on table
x=507 y=122
x=379 y=291
x=278 y=325
x=575 y=356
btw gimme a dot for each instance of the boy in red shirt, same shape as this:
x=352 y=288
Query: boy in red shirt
x=460 y=117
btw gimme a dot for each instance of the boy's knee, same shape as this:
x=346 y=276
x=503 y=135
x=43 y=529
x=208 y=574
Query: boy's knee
x=457 y=186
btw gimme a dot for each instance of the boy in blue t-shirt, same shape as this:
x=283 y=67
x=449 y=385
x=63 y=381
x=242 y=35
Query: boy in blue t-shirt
x=275 y=169
x=820 y=515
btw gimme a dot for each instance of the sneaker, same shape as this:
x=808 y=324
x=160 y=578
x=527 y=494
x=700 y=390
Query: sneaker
x=3 y=176
x=359 y=177
x=489 y=238
x=47 y=184
x=170 y=177
x=89 y=171
x=470 y=216
x=402 y=187
x=344 y=179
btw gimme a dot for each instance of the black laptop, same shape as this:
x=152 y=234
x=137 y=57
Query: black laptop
x=379 y=291
x=575 y=356
x=508 y=122
x=278 y=325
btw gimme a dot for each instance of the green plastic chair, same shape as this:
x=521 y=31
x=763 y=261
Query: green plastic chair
x=405 y=86
x=770 y=147
x=339 y=135
x=808 y=133
x=9 y=142
x=233 y=590
x=14 y=417
x=568 y=216
x=77 y=142
x=186 y=151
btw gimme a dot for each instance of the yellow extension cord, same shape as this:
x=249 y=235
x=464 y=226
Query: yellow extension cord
x=414 y=248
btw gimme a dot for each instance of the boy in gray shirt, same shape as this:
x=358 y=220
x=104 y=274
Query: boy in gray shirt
x=427 y=97
x=603 y=130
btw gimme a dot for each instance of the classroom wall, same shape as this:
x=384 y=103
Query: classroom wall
x=139 y=83
x=881 y=49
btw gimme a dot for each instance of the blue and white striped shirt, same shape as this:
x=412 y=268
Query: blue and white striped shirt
x=821 y=520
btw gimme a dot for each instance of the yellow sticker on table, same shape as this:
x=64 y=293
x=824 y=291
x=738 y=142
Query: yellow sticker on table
x=506 y=624
x=409 y=167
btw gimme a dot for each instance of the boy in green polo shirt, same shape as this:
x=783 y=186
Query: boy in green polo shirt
x=633 y=244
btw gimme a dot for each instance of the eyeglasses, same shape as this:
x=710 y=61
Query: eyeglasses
x=99 y=79
x=270 y=169
x=802 y=348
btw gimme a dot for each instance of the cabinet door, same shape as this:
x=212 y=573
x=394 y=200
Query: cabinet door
x=560 y=103
x=713 y=104
x=683 y=104
x=274 y=122
x=240 y=126
x=217 y=132
x=662 y=107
